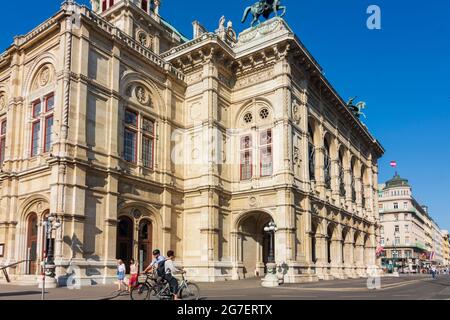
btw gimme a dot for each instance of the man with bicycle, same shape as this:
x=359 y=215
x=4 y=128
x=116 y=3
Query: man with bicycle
x=157 y=258
x=170 y=270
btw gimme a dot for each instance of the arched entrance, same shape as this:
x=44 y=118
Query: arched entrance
x=125 y=240
x=254 y=244
x=32 y=240
x=145 y=242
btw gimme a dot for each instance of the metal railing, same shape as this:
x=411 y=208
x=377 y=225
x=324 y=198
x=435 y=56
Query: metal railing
x=4 y=268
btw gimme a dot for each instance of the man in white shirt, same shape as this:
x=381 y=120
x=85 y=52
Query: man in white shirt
x=170 y=271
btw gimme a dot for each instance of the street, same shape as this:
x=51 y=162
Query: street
x=402 y=288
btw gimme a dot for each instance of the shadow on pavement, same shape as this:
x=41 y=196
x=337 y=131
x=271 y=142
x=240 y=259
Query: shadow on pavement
x=116 y=294
x=22 y=293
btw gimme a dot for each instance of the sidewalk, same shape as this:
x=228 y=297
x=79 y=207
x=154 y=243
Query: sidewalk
x=244 y=289
x=100 y=292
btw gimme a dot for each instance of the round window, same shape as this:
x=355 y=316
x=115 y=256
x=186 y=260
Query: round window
x=264 y=113
x=248 y=118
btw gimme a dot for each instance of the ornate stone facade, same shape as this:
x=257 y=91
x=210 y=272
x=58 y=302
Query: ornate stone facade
x=191 y=145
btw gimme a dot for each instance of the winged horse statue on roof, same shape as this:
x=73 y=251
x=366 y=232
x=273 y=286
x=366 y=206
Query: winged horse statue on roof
x=263 y=8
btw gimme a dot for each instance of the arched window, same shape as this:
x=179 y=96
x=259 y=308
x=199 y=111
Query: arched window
x=246 y=157
x=311 y=155
x=327 y=164
x=265 y=148
x=342 y=190
x=139 y=131
x=256 y=145
x=42 y=118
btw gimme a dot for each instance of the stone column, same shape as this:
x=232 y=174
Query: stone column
x=370 y=252
x=348 y=188
x=320 y=176
x=359 y=190
x=359 y=259
x=335 y=180
x=374 y=193
x=336 y=258
x=321 y=254
x=236 y=256
x=349 y=259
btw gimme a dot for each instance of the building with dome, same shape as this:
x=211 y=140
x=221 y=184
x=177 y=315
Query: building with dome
x=411 y=238
x=135 y=137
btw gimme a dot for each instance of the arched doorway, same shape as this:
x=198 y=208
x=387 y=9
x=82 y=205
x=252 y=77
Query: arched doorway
x=32 y=237
x=254 y=244
x=145 y=242
x=125 y=240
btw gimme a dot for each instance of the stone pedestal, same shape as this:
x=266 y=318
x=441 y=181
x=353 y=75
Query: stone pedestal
x=271 y=278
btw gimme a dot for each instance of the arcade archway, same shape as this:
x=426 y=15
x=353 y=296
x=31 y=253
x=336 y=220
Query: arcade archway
x=254 y=243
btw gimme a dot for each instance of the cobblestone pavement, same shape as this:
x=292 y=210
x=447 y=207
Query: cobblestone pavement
x=402 y=288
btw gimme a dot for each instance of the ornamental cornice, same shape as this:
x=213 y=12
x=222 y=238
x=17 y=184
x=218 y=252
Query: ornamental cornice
x=131 y=43
x=46 y=25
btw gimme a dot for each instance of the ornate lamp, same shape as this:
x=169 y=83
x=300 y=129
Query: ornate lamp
x=271 y=279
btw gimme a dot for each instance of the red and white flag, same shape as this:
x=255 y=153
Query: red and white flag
x=432 y=255
x=379 y=250
x=394 y=164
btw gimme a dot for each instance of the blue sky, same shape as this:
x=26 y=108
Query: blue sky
x=402 y=71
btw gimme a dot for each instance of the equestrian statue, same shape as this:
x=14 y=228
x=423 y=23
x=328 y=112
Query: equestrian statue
x=263 y=8
x=358 y=108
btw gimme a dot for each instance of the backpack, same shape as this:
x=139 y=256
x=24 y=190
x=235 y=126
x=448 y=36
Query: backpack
x=161 y=268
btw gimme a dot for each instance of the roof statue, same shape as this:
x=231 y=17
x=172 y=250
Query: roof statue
x=263 y=8
x=357 y=109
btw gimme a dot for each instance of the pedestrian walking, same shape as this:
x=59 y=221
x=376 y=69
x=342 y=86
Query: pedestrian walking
x=433 y=272
x=121 y=269
x=134 y=274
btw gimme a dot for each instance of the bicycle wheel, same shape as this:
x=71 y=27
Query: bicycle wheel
x=190 y=292
x=140 y=292
x=154 y=293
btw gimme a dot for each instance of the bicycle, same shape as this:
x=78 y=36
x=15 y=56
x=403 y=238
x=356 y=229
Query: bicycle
x=186 y=291
x=142 y=290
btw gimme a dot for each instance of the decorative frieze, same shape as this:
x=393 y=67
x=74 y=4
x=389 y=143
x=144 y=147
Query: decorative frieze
x=254 y=78
x=252 y=34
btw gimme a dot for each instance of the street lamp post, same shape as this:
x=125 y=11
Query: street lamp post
x=52 y=223
x=271 y=279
